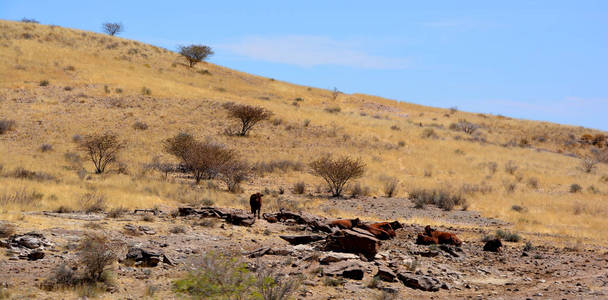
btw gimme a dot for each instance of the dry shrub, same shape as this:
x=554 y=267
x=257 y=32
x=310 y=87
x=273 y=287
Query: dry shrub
x=277 y=165
x=96 y=253
x=588 y=164
x=299 y=188
x=428 y=133
x=518 y=208
x=508 y=236
x=6 y=229
x=532 y=182
x=93 y=203
x=274 y=285
x=46 y=148
x=333 y=109
x=575 y=188
x=178 y=229
x=464 y=126
x=117 y=212
x=22 y=173
x=140 y=126
x=510 y=187
x=441 y=198
x=391 y=187
x=471 y=189
x=337 y=172
x=21 y=198
x=356 y=190
x=248 y=115
x=511 y=167
x=102 y=149
x=207 y=160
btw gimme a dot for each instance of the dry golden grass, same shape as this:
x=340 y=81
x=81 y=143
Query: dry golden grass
x=96 y=67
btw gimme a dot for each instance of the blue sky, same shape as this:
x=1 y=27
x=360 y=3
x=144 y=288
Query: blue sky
x=541 y=60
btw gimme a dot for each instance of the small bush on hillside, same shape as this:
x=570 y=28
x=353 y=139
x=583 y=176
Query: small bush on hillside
x=28 y=20
x=96 y=253
x=391 y=187
x=46 y=147
x=441 y=198
x=333 y=109
x=588 y=164
x=428 y=133
x=277 y=165
x=518 y=208
x=510 y=167
x=6 y=126
x=464 y=126
x=102 y=149
x=6 y=229
x=93 y=203
x=140 y=126
x=195 y=53
x=117 y=212
x=218 y=277
x=146 y=91
x=178 y=229
x=112 y=28
x=533 y=182
x=248 y=116
x=356 y=190
x=22 y=173
x=299 y=188
x=234 y=172
x=44 y=83
x=395 y=127
x=508 y=236
x=510 y=187
x=575 y=188
x=337 y=172
x=21 y=197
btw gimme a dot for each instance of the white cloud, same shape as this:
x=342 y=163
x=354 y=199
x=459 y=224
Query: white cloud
x=310 y=51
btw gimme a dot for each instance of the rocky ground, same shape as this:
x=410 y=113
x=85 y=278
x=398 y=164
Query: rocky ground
x=162 y=247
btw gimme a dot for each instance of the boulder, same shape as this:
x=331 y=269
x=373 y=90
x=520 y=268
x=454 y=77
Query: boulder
x=423 y=283
x=147 y=257
x=494 y=245
x=301 y=239
x=386 y=274
x=331 y=257
x=351 y=241
x=348 y=269
x=27 y=246
x=240 y=219
x=35 y=255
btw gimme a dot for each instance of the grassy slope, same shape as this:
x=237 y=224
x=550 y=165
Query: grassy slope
x=184 y=99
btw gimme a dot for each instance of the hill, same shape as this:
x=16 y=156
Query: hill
x=95 y=84
x=537 y=179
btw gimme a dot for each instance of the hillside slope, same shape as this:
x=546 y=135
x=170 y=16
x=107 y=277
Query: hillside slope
x=100 y=83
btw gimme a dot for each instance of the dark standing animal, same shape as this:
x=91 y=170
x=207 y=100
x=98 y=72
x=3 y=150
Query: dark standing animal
x=255 y=201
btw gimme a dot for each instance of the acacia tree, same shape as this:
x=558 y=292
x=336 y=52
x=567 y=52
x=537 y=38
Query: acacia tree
x=102 y=149
x=248 y=116
x=337 y=172
x=195 y=53
x=206 y=160
x=112 y=28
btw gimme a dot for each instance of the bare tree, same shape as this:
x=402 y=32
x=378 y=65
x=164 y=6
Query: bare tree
x=248 y=115
x=195 y=53
x=102 y=149
x=207 y=160
x=337 y=172
x=112 y=28
x=335 y=93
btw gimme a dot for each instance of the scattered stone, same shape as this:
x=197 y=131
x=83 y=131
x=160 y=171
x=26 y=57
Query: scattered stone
x=348 y=269
x=27 y=246
x=352 y=242
x=331 y=257
x=35 y=255
x=386 y=274
x=147 y=257
x=423 y=283
x=450 y=250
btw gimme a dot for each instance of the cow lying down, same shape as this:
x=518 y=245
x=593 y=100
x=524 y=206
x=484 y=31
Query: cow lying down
x=432 y=236
x=381 y=230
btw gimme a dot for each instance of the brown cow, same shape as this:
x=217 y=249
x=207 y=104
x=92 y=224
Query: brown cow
x=389 y=227
x=345 y=223
x=255 y=201
x=378 y=232
x=426 y=240
x=442 y=236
